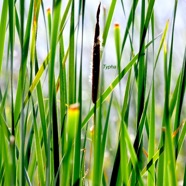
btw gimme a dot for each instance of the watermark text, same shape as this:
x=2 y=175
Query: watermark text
x=109 y=67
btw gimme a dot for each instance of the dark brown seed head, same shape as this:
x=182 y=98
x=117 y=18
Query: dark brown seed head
x=96 y=59
x=98 y=12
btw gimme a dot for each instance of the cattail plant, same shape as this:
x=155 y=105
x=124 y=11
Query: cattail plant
x=96 y=59
x=96 y=180
x=138 y=135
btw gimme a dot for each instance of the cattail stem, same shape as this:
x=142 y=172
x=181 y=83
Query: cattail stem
x=96 y=59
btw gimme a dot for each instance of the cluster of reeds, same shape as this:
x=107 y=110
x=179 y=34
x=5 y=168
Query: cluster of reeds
x=45 y=137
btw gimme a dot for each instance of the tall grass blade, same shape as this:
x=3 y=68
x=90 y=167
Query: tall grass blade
x=172 y=44
x=11 y=41
x=8 y=163
x=42 y=110
x=117 y=44
x=152 y=132
x=147 y=20
x=11 y=33
x=70 y=132
x=141 y=78
x=105 y=134
x=62 y=23
x=108 y=21
x=4 y=126
x=38 y=149
x=115 y=170
x=167 y=139
x=71 y=68
x=3 y=29
x=151 y=178
x=181 y=137
x=174 y=97
x=184 y=179
x=133 y=155
x=124 y=121
x=129 y=22
x=63 y=88
x=179 y=104
x=151 y=144
x=49 y=19
x=3 y=100
x=77 y=153
x=52 y=93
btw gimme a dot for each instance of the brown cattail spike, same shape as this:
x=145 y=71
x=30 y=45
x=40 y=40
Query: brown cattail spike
x=96 y=59
x=98 y=12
